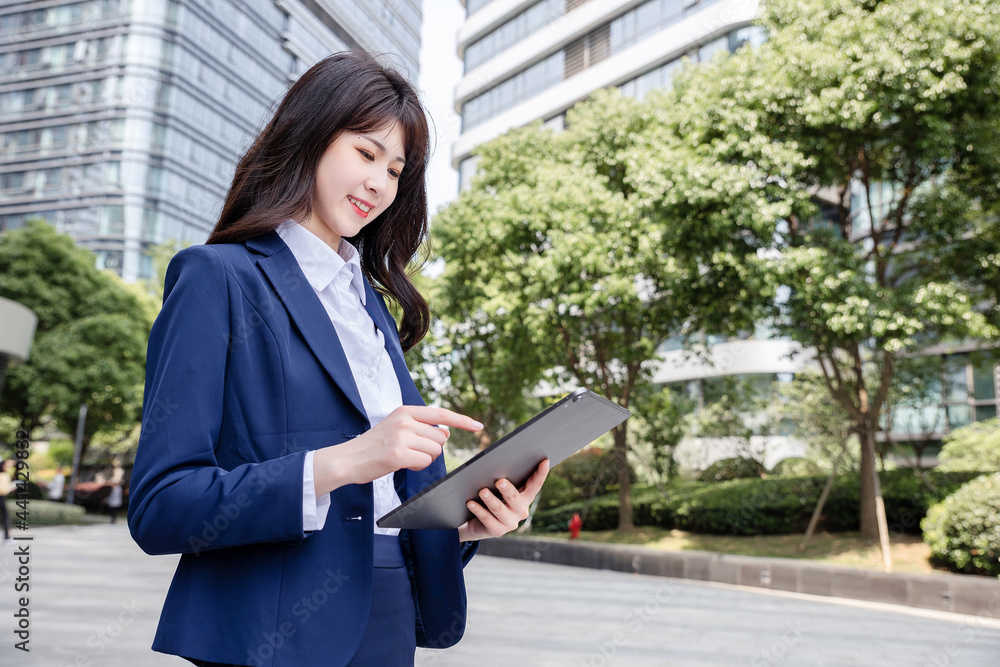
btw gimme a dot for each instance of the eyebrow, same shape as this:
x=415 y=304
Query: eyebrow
x=380 y=146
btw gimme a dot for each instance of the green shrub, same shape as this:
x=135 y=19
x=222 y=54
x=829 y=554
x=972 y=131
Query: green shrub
x=972 y=447
x=590 y=472
x=963 y=531
x=750 y=507
x=556 y=492
x=763 y=506
x=734 y=468
x=907 y=499
x=796 y=466
x=47 y=513
x=602 y=514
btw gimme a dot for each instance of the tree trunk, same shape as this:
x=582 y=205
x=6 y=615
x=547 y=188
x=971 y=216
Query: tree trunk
x=872 y=506
x=624 y=483
x=869 y=521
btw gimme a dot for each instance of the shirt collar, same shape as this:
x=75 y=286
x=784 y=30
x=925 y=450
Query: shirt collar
x=318 y=261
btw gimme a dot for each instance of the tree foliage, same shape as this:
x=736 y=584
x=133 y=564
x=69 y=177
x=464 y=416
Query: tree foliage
x=841 y=180
x=826 y=167
x=554 y=271
x=90 y=342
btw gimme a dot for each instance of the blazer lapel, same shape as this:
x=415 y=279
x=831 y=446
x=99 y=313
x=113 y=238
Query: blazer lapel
x=304 y=307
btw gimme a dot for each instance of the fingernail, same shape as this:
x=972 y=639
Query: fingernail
x=471 y=505
x=479 y=425
x=502 y=484
x=484 y=493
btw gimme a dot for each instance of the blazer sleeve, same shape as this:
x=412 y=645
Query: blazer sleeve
x=182 y=501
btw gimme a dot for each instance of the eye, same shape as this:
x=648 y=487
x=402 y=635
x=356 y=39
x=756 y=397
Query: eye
x=395 y=173
x=368 y=156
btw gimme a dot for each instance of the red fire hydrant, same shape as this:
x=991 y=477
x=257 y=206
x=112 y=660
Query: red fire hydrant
x=575 y=524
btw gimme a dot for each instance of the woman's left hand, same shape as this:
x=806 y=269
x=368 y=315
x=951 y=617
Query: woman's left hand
x=502 y=515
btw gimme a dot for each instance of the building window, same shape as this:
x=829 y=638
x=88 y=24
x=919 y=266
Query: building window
x=150 y=225
x=587 y=51
x=110 y=260
x=599 y=44
x=967 y=392
x=521 y=86
x=528 y=22
x=112 y=221
x=662 y=76
x=643 y=21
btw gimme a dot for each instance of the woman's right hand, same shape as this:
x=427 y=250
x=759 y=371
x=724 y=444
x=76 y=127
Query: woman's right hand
x=411 y=437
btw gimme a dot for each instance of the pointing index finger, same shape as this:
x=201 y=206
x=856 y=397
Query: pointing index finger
x=445 y=418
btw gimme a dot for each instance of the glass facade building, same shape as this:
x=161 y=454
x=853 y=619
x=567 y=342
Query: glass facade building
x=121 y=120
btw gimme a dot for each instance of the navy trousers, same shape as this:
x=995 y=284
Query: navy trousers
x=390 y=637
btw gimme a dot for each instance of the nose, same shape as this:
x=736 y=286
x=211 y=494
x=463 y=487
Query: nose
x=377 y=180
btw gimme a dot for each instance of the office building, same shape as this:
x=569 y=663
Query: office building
x=526 y=61
x=534 y=60
x=121 y=120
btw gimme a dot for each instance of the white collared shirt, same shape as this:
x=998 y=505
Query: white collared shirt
x=337 y=280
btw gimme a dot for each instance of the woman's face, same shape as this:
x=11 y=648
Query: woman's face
x=356 y=181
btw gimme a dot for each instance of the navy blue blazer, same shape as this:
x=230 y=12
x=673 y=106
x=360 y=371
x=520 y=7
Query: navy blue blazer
x=244 y=375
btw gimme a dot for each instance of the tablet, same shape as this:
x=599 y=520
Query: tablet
x=562 y=429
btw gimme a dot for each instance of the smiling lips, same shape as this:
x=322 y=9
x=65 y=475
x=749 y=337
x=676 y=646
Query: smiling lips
x=363 y=207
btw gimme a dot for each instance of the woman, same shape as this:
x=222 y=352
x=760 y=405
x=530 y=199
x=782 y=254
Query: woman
x=279 y=418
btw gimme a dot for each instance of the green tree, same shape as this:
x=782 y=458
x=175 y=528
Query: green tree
x=475 y=366
x=660 y=413
x=821 y=423
x=820 y=174
x=90 y=343
x=738 y=409
x=553 y=271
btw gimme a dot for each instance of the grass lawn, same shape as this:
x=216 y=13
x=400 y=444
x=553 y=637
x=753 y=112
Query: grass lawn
x=909 y=553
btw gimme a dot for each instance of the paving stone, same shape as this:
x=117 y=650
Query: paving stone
x=96 y=599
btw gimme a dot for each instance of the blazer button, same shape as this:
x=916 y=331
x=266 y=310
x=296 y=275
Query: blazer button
x=345 y=519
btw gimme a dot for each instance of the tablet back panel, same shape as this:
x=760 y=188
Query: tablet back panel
x=562 y=429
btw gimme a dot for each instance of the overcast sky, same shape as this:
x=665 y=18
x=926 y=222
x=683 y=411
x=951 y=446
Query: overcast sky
x=440 y=70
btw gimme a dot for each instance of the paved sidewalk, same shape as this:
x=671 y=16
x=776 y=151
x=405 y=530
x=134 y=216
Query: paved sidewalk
x=95 y=600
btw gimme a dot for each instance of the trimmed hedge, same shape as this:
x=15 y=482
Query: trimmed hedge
x=576 y=478
x=763 y=506
x=963 y=531
x=47 y=513
x=734 y=468
x=796 y=466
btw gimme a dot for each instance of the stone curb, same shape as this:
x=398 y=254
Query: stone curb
x=963 y=594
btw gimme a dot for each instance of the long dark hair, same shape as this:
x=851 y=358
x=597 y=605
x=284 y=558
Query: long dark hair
x=276 y=177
